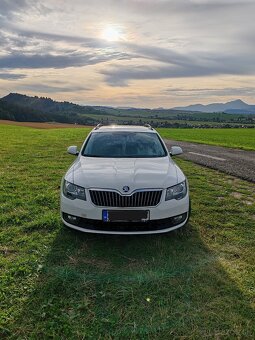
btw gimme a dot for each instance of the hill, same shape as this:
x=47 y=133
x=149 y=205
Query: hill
x=19 y=107
x=21 y=114
x=44 y=104
x=22 y=108
x=235 y=106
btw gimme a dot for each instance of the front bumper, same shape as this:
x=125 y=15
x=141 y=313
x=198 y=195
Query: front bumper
x=126 y=228
x=89 y=217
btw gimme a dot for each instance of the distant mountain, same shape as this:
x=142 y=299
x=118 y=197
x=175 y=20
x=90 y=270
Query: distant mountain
x=235 y=106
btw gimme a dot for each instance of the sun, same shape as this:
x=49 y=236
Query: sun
x=112 y=33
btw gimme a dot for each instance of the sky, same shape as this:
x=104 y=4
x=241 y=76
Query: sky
x=131 y=53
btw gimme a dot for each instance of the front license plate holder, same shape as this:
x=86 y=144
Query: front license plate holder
x=125 y=215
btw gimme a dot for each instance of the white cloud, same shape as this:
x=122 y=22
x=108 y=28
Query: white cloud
x=175 y=39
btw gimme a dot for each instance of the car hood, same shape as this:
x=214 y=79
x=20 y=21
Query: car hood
x=114 y=173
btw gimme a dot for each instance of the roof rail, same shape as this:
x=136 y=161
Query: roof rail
x=148 y=126
x=98 y=126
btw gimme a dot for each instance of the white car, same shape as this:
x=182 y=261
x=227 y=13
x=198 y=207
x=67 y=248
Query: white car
x=124 y=181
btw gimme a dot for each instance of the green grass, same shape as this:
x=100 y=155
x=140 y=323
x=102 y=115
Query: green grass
x=58 y=283
x=155 y=121
x=234 y=138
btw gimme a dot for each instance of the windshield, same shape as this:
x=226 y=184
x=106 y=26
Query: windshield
x=124 y=145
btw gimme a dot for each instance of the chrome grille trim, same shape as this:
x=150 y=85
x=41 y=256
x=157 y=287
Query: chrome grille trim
x=139 y=198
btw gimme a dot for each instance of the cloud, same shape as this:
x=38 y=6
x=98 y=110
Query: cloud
x=40 y=61
x=90 y=51
x=12 y=76
x=183 y=67
x=34 y=87
x=164 y=39
x=77 y=51
x=165 y=8
x=100 y=46
x=10 y=8
x=24 y=49
x=45 y=36
x=205 y=92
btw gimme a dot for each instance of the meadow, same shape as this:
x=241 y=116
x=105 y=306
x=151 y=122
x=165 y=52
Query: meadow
x=58 y=283
x=233 y=138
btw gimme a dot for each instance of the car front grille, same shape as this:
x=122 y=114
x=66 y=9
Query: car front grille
x=114 y=199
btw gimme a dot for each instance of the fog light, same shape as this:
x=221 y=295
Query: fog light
x=178 y=218
x=72 y=218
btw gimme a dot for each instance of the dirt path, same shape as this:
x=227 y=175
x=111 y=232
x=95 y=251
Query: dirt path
x=235 y=162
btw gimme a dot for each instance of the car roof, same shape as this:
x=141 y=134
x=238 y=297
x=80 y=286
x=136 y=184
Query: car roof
x=126 y=128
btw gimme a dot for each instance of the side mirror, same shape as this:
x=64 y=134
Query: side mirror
x=175 y=150
x=73 y=150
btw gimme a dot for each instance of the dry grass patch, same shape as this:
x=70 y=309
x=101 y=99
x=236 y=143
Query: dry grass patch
x=237 y=195
x=37 y=125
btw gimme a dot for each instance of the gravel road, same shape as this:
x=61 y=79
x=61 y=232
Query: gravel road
x=235 y=162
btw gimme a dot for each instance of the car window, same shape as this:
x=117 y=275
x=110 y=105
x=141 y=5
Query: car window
x=124 y=145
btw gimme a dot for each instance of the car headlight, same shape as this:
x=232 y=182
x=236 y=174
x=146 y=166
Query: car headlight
x=73 y=191
x=176 y=192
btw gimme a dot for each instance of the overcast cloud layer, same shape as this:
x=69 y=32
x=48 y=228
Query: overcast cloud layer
x=165 y=53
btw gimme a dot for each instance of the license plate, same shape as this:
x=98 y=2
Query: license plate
x=125 y=215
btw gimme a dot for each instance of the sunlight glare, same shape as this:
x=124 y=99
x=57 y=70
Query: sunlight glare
x=112 y=33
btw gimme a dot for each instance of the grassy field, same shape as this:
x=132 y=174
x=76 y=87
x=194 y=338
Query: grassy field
x=57 y=283
x=155 y=121
x=234 y=138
